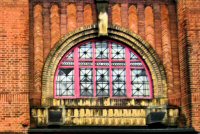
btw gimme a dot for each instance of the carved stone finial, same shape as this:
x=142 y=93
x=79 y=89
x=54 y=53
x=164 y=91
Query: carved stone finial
x=102 y=9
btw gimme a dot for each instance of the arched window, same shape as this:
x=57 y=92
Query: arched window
x=102 y=68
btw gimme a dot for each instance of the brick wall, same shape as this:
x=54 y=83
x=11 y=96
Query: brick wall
x=193 y=45
x=14 y=67
x=184 y=76
x=49 y=21
x=189 y=45
x=154 y=21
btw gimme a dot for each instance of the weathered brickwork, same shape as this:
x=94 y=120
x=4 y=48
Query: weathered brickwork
x=149 y=26
x=14 y=67
x=184 y=76
x=157 y=29
x=116 y=15
x=71 y=17
x=133 y=19
x=175 y=99
x=88 y=20
x=166 y=47
x=193 y=45
x=188 y=37
x=55 y=25
x=38 y=51
x=30 y=29
x=141 y=20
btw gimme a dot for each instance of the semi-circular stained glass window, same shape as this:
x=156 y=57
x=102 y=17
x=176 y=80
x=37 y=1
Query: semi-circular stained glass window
x=102 y=69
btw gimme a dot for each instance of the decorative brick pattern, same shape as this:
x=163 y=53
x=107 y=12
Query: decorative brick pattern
x=133 y=19
x=94 y=13
x=38 y=50
x=88 y=18
x=46 y=29
x=124 y=14
x=71 y=17
x=55 y=25
x=193 y=43
x=116 y=15
x=166 y=47
x=149 y=26
x=79 y=7
x=63 y=19
x=141 y=20
x=175 y=96
x=174 y=35
x=183 y=59
x=157 y=21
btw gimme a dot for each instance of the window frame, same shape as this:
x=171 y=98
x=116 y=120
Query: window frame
x=127 y=68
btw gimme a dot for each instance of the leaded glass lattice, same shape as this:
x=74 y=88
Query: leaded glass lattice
x=102 y=68
x=70 y=55
x=119 y=82
x=86 y=82
x=85 y=51
x=133 y=56
x=102 y=82
x=140 y=83
x=102 y=50
x=65 y=82
x=118 y=51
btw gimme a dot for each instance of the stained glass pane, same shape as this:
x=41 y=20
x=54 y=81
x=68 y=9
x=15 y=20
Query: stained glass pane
x=85 y=51
x=133 y=56
x=102 y=50
x=118 y=51
x=119 y=82
x=140 y=83
x=86 y=82
x=70 y=55
x=65 y=82
x=102 y=82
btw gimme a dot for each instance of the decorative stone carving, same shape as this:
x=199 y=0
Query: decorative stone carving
x=103 y=24
x=102 y=9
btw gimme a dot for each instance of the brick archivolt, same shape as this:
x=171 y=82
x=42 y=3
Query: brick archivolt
x=116 y=33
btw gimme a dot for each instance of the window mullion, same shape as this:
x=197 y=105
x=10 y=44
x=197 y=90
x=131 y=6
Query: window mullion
x=128 y=71
x=76 y=72
x=110 y=67
x=94 y=71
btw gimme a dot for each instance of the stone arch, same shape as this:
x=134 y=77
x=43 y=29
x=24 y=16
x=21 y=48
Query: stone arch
x=115 y=33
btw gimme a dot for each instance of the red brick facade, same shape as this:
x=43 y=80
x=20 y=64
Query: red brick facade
x=14 y=66
x=29 y=30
